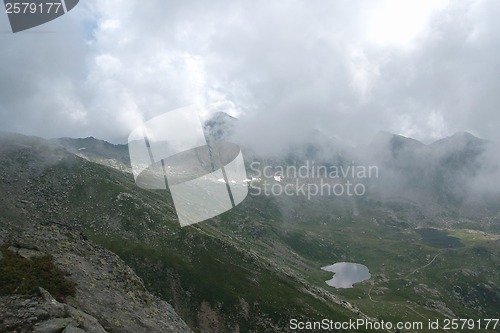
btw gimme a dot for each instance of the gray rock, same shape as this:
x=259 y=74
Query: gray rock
x=87 y=322
x=13 y=249
x=28 y=254
x=50 y=305
x=42 y=313
x=73 y=329
x=110 y=297
x=54 y=325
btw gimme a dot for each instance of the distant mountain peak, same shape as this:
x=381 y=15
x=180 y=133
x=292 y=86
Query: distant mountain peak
x=222 y=115
x=460 y=138
x=385 y=138
x=219 y=126
x=465 y=135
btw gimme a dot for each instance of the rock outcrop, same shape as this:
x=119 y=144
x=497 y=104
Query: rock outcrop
x=109 y=296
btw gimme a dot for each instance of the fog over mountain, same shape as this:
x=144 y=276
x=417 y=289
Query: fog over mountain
x=396 y=101
x=455 y=175
x=422 y=69
x=425 y=231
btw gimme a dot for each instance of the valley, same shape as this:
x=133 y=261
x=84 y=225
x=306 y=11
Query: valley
x=257 y=266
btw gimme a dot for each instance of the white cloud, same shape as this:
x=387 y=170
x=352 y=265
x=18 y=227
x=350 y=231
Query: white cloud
x=418 y=68
x=398 y=23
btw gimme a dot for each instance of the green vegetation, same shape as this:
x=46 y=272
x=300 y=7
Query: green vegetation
x=23 y=276
x=219 y=274
x=243 y=253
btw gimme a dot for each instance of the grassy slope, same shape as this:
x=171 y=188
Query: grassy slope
x=185 y=266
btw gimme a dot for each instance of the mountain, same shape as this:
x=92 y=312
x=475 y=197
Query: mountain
x=441 y=178
x=107 y=295
x=220 y=126
x=99 y=151
x=460 y=140
x=258 y=265
x=44 y=184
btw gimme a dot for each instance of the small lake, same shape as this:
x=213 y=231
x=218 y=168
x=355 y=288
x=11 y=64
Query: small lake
x=439 y=238
x=347 y=274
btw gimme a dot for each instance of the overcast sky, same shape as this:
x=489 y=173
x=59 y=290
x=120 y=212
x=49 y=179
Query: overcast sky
x=423 y=69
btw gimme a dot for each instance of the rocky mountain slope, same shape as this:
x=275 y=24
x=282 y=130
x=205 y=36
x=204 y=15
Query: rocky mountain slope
x=257 y=266
x=108 y=297
x=43 y=185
